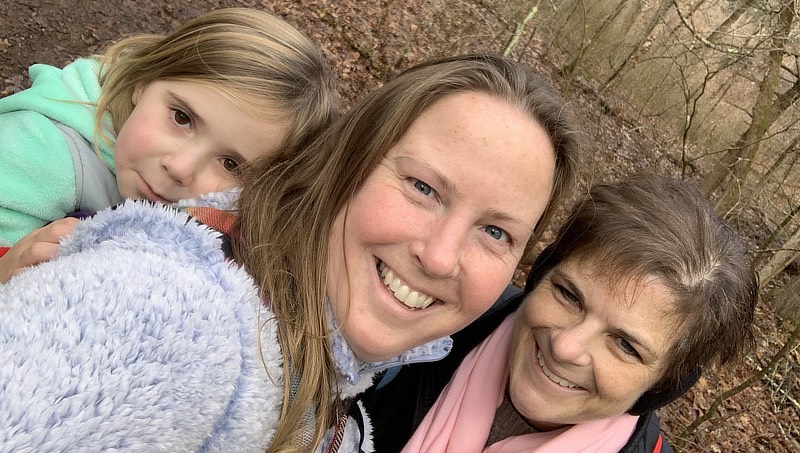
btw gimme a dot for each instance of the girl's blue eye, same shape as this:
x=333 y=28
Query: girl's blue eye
x=496 y=233
x=422 y=187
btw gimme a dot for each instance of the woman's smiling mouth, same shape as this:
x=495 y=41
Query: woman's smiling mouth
x=552 y=376
x=401 y=291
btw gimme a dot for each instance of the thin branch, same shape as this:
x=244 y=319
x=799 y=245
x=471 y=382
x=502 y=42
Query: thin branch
x=520 y=28
x=724 y=396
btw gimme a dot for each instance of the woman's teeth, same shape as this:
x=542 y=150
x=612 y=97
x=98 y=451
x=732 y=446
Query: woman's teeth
x=410 y=298
x=552 y=376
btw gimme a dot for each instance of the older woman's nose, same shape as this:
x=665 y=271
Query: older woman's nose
x=572 y=344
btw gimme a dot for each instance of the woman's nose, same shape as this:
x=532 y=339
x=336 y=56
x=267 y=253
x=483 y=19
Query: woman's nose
x=571 y=344
x=440 y=248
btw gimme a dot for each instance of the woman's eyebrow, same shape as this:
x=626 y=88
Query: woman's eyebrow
x=502 y=216
x=443 y=182
x=634 y=339
x=567 y=281
x=447 y=185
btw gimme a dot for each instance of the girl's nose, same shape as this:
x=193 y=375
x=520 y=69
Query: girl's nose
x=182 y=167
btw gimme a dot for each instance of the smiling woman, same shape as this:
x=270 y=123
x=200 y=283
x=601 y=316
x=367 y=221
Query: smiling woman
x=430 y=188
x=642 y=287
x=452 y=231
x=602 y=340
x=396 y=227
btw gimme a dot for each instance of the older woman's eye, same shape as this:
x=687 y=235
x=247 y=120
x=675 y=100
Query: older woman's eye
x=628 y=348
x=567 y=295
x=422 y=187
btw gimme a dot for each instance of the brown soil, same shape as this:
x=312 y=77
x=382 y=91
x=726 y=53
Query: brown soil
x=366 y=42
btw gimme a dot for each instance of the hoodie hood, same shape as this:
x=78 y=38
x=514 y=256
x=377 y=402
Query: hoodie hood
x=76 y=89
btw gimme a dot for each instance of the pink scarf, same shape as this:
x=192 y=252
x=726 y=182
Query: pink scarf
x=460 y=420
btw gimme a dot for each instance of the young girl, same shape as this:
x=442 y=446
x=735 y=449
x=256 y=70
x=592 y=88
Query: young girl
x=159 y=117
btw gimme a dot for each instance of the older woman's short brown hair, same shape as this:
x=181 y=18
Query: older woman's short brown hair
x=661 y=227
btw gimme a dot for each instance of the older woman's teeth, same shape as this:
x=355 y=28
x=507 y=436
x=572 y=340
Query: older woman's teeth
x=552 y=376
x=402 y=292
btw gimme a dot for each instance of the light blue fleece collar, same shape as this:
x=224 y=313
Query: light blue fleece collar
x=345 y=361
x=351 y=368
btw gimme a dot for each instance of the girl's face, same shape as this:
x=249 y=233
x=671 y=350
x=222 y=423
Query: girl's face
x=434 y=234
x=586 y=347
x=184 y=139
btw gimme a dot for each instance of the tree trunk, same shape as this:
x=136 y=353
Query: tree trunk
x=736 y=162
x=781 y=259
x=786 y=300
x=643 y=37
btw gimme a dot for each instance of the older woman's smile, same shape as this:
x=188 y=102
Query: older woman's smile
x=552 y=376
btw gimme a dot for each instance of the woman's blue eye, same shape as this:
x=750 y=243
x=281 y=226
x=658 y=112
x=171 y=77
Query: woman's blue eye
x=496 y=233
x=568 y=296
x=422 y=187
x=627 y=348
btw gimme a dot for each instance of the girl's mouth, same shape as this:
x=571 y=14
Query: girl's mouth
x=149 y=194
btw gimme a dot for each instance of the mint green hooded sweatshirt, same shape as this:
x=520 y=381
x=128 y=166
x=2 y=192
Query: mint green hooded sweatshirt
x=48 y=167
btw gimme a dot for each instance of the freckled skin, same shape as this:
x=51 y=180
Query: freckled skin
x=449 y=211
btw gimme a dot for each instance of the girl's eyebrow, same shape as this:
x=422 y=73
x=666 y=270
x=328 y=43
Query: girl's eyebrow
x=185 y=105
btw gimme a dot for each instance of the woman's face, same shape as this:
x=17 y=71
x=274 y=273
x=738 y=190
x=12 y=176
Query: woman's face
x=435 y=232
x=585 y=347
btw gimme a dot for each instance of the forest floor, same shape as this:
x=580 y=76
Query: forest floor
x=369 y=41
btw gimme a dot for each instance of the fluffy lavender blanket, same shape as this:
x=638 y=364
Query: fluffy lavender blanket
x=139 y=337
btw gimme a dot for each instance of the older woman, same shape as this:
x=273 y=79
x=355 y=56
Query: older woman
x=400 y=225
x=643 y=287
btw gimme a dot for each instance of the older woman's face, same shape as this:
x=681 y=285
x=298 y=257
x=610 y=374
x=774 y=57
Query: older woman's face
x=435 y=232
x=585 y=347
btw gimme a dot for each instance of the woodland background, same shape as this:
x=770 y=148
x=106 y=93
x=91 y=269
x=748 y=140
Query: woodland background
x=706 y=90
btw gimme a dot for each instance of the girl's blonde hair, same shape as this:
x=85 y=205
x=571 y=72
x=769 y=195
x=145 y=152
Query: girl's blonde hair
x=289 y=203
x=261 y=62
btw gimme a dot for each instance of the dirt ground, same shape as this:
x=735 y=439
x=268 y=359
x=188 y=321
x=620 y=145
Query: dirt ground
x=365 y=46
